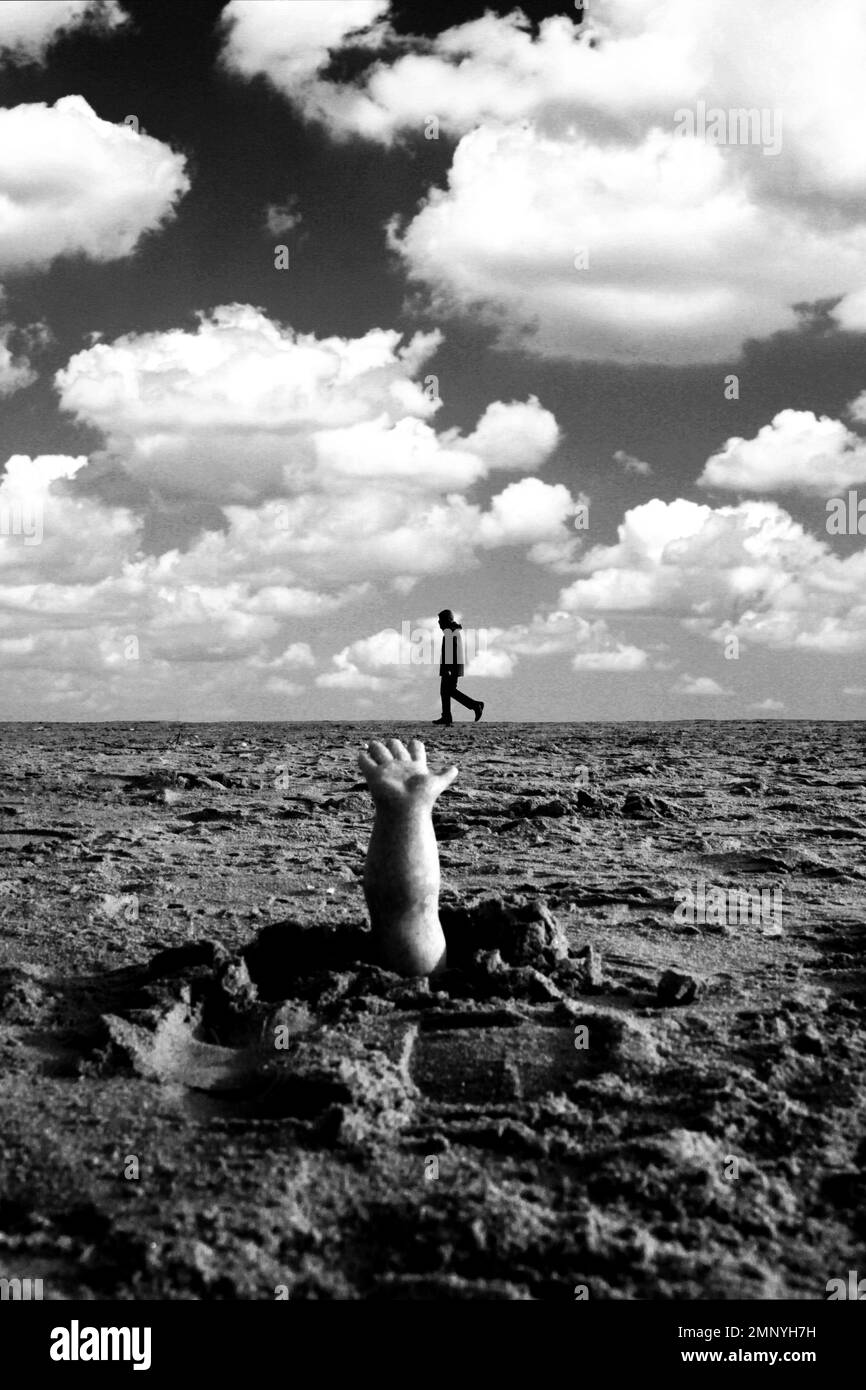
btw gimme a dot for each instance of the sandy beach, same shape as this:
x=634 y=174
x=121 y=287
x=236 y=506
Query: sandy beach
x=210 y=1091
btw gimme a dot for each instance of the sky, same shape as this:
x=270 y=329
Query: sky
x=319 y=317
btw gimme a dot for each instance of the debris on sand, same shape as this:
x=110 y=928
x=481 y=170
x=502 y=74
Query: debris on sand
x=649 y=806
x=674 y=988
x=530 y=806
x=523 y=934
x=25 y=995
x=589 y=962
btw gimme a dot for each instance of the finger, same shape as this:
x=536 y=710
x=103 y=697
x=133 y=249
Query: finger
x=367 y=765
x=418 y=751
x=446 y=777
x=378 y=752
x=398 y=750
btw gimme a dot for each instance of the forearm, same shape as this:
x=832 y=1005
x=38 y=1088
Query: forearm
x=401 y=886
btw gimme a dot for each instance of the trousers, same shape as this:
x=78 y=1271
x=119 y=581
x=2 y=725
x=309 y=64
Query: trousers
x=448 y=691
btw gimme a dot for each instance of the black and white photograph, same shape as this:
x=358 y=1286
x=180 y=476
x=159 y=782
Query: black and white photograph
x=432 y=667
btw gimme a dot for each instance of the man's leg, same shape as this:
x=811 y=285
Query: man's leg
x=476 y=705
x=446 y=690
x=463 y=699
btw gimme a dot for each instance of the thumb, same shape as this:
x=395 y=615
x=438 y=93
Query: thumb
x=445 y=778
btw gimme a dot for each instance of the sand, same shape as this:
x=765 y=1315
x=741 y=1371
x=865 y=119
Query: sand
x=210 y=1091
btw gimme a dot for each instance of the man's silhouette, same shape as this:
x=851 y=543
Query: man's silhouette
x=451 y=668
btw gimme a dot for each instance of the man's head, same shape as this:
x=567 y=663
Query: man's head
x=446 y=619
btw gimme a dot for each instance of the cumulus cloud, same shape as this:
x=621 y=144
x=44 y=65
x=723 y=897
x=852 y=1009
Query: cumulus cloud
x=768 y=706
x=274 y=426
x=278 y=685
x=240 y=407
x=526 y=512
x=699 y=685
x=653 y=251
x=322 y=461
x=489 y=69
x=797 y=452
x=282 y=217
x=27 y=30
x=627 y=68
x=850 y=312
x=73 y=184
x=290 y=41
x=623 y=658
x=857 y=408
x=48 y=535
x=492 y=663
x=630 y=463
x=569 y=142
x=15 y=370
x=517 y=435
x=244 y=409
x=296 y=654
x=391 y=659
x=748 y=570
x=77 y=593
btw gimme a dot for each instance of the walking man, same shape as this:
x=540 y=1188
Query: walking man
x=451 y=669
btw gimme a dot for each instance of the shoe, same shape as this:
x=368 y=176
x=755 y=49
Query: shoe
x=442 y=720
x=479 y=710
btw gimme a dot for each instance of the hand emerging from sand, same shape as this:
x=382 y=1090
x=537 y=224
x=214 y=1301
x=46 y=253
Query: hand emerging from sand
x=401 y=874
x=400 y=778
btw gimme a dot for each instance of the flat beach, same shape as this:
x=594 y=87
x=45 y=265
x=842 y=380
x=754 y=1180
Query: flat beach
x=210 y=1091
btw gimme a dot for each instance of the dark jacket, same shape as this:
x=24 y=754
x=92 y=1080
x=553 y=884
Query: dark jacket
x=453 y=653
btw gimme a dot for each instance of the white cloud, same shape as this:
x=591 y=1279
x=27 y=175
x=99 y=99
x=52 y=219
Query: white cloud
x=526 y=512
x=684 y=260
x=748 y=570
x=73 y=184
x=276 y=685
x=28 y=29
x=768 y=706
x=290 y=40
x=797 y=452
x=15 y=370
x=391 y=659
x=282 y=218
x=241 y=407
x=623 y=658
x=76 y=591
x=269 y=426
x=857 y=408
x=183 y=409
x=699 y=685
x=589 y=643
x=297 y=654
x=518 y=435
x=567 y=139
x=49 y=535
x=491 y=664
x=320 y=452
x=630 y=463
x=850 y=312
x=348 y=676
x=625 y=70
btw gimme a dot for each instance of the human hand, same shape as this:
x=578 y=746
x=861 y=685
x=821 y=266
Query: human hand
x=399 y=778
